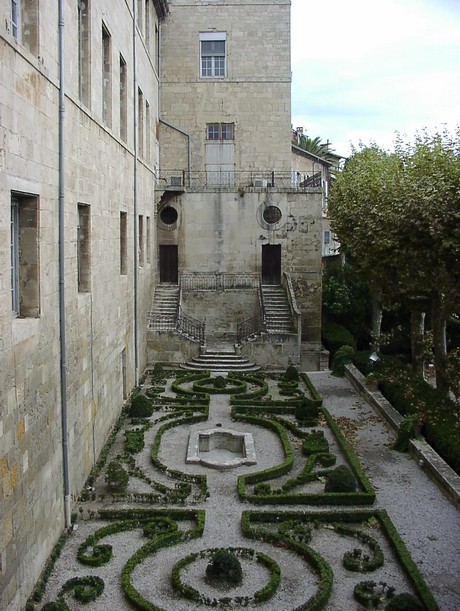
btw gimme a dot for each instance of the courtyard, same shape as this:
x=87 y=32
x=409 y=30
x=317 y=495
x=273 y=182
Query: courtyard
x=147 y=545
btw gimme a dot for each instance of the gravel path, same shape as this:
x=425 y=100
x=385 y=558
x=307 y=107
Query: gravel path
x=427 y=522
x=425 y=519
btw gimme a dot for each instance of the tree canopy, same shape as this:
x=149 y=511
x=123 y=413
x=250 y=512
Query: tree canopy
x=398 y=215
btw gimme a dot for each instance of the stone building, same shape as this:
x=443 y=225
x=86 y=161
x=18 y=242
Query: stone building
x=231 y=219
x=142 y=144
x=77 y=253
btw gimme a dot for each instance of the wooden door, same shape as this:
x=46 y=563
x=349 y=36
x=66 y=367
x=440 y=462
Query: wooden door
x=168 y=264
x=271 y=264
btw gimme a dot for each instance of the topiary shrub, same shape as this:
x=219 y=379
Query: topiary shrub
x=306 y=409
x=342 y=357
x=334 y=336
x=140 y=407
x=224 y=566
x=55 y=606
x=291 y=374
x=340 y=479
x=117 y=477
x=315 y=443
x=158 y=369
x=404 y=602
x=220 y=382
x=85 y=589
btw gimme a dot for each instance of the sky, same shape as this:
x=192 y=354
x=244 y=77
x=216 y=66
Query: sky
x=363 y=70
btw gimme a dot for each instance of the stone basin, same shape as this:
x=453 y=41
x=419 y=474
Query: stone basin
x=221 y=448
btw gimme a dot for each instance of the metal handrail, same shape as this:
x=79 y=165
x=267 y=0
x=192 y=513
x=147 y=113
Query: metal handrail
x=248 y=328
x=191 y=327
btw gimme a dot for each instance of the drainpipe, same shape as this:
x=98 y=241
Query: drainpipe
x=189 y=153
x=63 y=349
x=136 y=237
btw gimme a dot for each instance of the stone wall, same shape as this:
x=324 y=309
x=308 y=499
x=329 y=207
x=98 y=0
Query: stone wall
x=99 y=322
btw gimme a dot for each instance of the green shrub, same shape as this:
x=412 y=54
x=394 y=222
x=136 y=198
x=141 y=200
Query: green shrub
x=406 y=431
x=291 y=374
x=141 y=407
x=342 y=357
x=220 y=382
x=315 y=443
x=334 y=336
x=85 y=589
x=55 y=606
x=134 y=441
x=117 y=477
x=225 y=566
x=158 y=369
x=306 y=409
x=404 y=602
x=340 y=479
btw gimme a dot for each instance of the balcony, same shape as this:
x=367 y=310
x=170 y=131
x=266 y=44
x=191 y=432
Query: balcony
x=231 y=180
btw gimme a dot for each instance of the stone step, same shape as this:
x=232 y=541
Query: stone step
x=218 y=360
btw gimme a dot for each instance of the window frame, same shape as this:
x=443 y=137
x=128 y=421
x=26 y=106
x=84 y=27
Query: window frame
x=83 y=248
x=220 y=132
x=25 y=255
x=213 y=69
x=15 y=19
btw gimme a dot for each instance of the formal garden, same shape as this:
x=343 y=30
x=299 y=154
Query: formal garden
x=296 y=527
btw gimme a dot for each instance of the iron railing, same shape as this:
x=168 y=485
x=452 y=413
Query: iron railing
x=175 y=179
x=218 y=281
x=251 y=327
x=190 y=327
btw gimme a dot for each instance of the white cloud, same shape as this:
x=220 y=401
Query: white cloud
x=363 y=72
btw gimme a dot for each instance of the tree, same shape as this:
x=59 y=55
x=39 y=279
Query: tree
x=314 y=146
x=398 y=215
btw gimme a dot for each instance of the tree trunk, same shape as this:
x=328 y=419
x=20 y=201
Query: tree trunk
x=376 y=319
x=438 y=321
x=417 y=330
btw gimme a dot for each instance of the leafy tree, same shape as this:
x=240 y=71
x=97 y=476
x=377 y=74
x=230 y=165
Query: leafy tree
x=398 y=215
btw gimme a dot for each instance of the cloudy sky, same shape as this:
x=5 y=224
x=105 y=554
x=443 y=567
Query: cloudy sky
x=364 y=70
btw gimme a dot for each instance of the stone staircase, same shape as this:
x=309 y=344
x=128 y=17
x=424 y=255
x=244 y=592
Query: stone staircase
x=277 y=309
x=164 y=312
x=220 y=359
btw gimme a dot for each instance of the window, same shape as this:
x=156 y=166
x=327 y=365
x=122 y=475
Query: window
x=106 y=77
x=123 y=243
x=24 y=23
x=147 y=239
x=147 y=25
x=15 y=19
x=157 y=49
x=141 y=240
x=83 y=249
x=123 y=100
x=148 y=136
x=139 y=14
x=25 y=297
x=220 y=131
x=84 y=52
x=140 y=123
x=213 y=54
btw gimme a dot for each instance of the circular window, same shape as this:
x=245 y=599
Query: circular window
x=168 y=215
x=272 y=215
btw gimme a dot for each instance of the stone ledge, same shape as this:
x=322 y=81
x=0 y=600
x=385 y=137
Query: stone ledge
x=429 y=460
